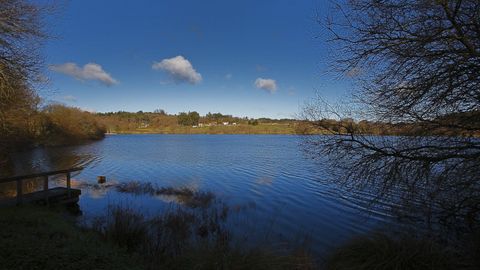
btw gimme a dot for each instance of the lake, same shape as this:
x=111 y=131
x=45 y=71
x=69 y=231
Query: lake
x=282 y=191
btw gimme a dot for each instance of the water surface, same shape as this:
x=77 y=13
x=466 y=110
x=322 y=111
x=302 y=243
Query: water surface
x=285 y=192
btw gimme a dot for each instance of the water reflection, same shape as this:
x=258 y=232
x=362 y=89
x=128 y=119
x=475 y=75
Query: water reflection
x=94 y=191
x=187 y=195
x=46 y=159
x=41 y=160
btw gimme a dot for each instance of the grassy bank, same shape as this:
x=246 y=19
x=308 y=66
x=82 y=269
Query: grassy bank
x=42 y=238
x=38 y=238
x=195 y=233
x=379 y=251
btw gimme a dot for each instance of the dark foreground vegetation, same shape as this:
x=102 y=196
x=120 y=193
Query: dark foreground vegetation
x=41 y=238
x=380 y=251
x=124 y=238
x=193 y=233
x=193 y=238
x=180 y=238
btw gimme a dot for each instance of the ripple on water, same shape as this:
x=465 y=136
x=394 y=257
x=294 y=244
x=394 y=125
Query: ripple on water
x=290 y=193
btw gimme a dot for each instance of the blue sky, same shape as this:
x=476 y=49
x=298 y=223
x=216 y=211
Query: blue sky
x=246 y=58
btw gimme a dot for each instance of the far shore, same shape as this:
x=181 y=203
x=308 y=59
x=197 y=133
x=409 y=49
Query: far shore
x=262 y=129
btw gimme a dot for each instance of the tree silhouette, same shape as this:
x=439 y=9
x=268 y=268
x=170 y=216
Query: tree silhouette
x=415 y=63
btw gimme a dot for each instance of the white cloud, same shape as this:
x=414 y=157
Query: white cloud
x=268 y=85
x=180 y=69
x=89 y=72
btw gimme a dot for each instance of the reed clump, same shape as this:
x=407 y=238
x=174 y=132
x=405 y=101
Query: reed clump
x=185 y=238
x=183 y=195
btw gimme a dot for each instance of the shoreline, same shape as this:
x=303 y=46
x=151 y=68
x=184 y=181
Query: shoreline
x=159 y=133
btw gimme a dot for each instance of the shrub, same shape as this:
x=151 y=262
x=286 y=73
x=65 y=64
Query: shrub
x=379 y=251
x=65 y=125
x=188 y=119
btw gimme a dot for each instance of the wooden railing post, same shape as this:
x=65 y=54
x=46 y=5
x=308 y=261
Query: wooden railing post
x=68 y=185
x=45 y=188
x=47 y=193
x=19 y=191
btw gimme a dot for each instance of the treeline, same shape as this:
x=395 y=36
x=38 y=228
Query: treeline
x=465 y=124
x=66 y=125
x=24 y=121
x=192 y=122
x=185 y=122
x=54 y=124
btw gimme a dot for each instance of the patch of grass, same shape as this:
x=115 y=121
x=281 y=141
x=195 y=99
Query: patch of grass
x=38 y=238
x=472 y=247
x=379 y=251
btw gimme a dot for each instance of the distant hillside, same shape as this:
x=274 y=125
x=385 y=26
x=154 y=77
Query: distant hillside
x=193 y=123
x=218 y=123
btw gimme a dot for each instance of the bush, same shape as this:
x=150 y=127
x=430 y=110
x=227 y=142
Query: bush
x=253 y=122
x=18 y=118
x=379 y=251
x=303 y=128
x=66 y=125
x=188 y=119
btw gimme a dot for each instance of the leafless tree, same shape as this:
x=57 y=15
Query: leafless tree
x=21 y=35
x=414 y=62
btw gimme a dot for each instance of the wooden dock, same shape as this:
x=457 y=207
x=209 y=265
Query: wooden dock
x=47 y=196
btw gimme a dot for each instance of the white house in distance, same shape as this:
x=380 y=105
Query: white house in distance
x=214 y=124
